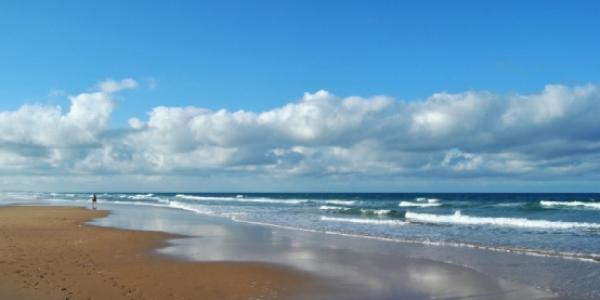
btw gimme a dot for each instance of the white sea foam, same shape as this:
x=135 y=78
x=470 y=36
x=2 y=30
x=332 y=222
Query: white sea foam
x=340 y=202
x=333 y=208
x=379 y=212
x=143 y=197
x=509 y=204
x=364 y=211
x=458 y=218
x=66 y=200
x=244 y=200
x=205 y=210
x=195 y=208
x=587 y=257
x=579 y=256
x=363 y=221
x=120 y=202
x=428 y=200
x=192 y=208
x=589 y=205
x=418 y=204
x=200 y=209
x=20 y=196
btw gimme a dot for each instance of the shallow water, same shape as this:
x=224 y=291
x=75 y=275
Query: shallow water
x=564 y=225
x=356 y=268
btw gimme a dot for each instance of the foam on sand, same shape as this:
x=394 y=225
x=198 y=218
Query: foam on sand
x=458 y=218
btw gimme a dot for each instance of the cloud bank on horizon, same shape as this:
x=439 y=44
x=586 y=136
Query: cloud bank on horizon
x=547 y=135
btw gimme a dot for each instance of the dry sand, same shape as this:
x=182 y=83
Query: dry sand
x=47 y=253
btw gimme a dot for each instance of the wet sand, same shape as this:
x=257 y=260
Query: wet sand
x=48 y=253
x=352 y=267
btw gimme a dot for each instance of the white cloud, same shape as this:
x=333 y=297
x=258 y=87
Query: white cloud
x=136 y=123
x=46 y=126
x=551 y=134
x=112 y=86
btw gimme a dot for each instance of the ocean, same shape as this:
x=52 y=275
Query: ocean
x=565 y=226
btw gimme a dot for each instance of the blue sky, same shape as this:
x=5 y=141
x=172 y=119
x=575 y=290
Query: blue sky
x=258 y=55
x=262 y=55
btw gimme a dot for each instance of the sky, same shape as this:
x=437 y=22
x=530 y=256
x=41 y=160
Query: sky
x=300 y=96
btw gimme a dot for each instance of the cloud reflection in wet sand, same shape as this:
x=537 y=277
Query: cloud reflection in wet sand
x=354 y=274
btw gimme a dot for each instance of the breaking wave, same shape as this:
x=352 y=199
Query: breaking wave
x=428 y=200
x=241 y=199
x=458 y=218
x=575 y=204
x=340 y=202
x=418 y=204
x=377 y=212
x=333 y=208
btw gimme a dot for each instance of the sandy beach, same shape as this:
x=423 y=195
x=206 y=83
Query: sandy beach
x=52 y=252
x=47 y=253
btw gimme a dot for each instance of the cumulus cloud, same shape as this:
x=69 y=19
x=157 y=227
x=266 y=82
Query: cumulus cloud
x=549 y=134
x=47 y=127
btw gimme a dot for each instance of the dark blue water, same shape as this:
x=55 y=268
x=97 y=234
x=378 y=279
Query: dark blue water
x=561 y=225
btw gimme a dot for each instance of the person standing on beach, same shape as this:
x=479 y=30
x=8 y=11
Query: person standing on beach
x=94 y=201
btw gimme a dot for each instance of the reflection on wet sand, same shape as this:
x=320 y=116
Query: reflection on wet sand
x=353 y=274
x=358 y=275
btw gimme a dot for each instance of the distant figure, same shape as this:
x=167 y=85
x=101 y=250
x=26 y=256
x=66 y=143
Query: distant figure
x=94 y=201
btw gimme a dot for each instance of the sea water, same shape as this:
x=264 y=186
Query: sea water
x=561 y=225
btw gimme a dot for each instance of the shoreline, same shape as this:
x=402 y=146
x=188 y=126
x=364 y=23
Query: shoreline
x=291 y=264
x=586 y=257
x=355 y=267
x=50 y=253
